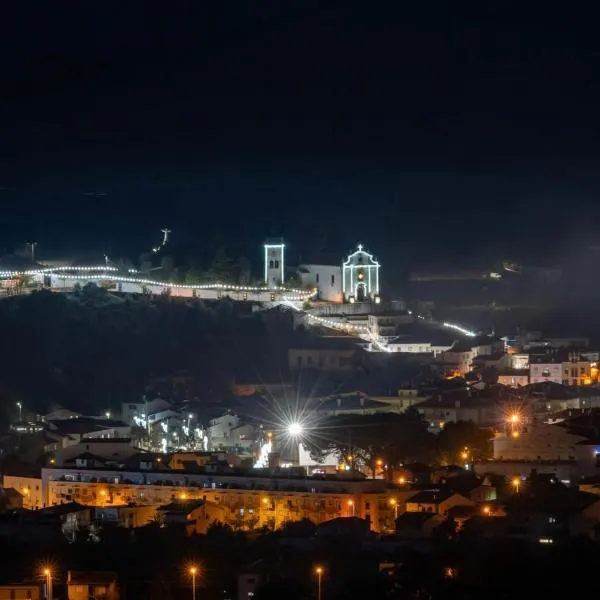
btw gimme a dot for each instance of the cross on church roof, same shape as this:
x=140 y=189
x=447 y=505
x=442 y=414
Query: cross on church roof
x=360 y=247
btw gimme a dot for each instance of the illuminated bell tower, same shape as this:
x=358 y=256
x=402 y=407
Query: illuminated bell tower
x=274 y=265
x=360 y=277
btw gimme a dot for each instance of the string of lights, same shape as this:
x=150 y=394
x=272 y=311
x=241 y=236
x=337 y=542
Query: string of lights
x=100 y=273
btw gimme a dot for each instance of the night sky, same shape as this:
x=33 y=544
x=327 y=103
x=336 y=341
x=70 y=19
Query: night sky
x=431 y=131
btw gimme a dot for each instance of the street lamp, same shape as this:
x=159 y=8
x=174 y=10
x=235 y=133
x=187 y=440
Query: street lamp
x=295 y=429
x=351 y=506
x=193 y=571
x=20 y=406
x=516 y=483
x=394 y=503
x=48 y=576
x=319 y=573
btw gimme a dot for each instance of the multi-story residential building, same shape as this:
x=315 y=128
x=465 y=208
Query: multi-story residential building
x=458 y=360
x=513 y=377
x=67 y=432
x=440 y=410
x=519 y=360
x=537 y=442
x=250 y=500
x=384 y=326
x=29 y=487
x=578 y=371
x=545 y=368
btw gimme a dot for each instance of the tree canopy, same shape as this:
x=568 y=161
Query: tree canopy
x=385 y=438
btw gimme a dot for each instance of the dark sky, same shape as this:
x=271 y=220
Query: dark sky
x=428 y=130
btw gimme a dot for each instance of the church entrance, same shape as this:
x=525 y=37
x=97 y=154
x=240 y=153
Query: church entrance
x=360 y=292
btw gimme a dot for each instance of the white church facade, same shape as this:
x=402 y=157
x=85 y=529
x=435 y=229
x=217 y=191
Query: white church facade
x=356 y=279
x=360 y=277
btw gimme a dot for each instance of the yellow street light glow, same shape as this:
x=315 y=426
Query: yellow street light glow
x=515 y=434
x=193 y=570
x=46 y=572
x=514 y=418
x=319 y=570
x=486 y=510
x=350 y=502
x=402 y=480
x=393 y=501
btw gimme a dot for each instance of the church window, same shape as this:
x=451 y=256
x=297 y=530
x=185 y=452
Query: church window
x=332 y=280
x=270 y=264
x=277 y=264
x=317 y=278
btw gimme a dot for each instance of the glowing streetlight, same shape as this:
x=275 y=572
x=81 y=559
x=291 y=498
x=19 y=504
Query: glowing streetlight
x=193 y=571
x=486 y=510
x=20 y=407
x=319 y=573
x=394 y=503
x=351 y=506
x=514 y=418
x=295 y=429
x=516 y=483
x=48 y=575
x=402 y=480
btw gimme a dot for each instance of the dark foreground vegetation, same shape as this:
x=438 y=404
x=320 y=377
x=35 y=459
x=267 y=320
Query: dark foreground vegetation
x=152 y=564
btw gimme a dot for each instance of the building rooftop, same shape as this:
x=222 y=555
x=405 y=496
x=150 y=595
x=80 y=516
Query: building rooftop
x=91 y=578
x=183 y=506
x=350 y=402
x=430 y=496
x=82 y=425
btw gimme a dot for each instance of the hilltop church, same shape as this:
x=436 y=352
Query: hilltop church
x=355 y=279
